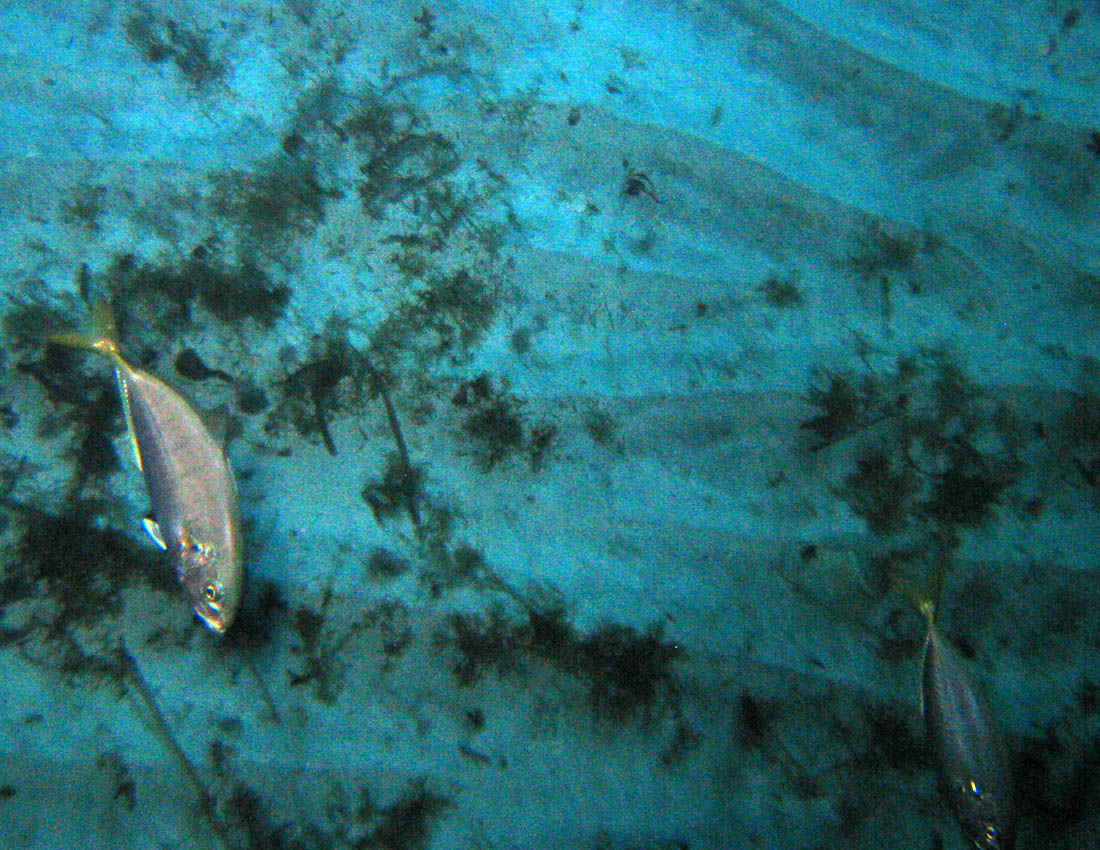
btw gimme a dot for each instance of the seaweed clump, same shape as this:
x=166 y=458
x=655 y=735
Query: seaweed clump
x=920 y=429
x=880 y=491
x=494 y=424
x=1058 y=774
x=781 y=291
x=405 y=159
x=496 y=430
x=278 y=200
x=399 y=489
x=877 y=251
x=168 y=292
x=84 y=207
x=404 y=824
x=627 y=672
x=80 y=567
x=334 y=379
x=263 y=605
x=845 y=407
x=447 y=316
x=1075 y=437
x=966 y=491
x=86 y=405
x=320 y=645
x=160 y=39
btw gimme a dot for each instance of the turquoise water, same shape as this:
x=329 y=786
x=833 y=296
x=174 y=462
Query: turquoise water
x=593 y=375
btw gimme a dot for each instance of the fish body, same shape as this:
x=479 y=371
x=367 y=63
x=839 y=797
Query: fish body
x=196 y=518
x=970 y=756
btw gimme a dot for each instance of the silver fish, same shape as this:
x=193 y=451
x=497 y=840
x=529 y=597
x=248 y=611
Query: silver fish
x=968 y=750
x=196 y=518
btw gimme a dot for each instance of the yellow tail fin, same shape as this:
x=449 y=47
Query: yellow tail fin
x=102 y=337
x=926 y=601
x=917 y=598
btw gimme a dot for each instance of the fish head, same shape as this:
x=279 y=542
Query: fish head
x=211 y=581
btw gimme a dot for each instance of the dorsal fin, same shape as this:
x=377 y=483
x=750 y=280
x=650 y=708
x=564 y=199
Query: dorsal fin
x=124 y=394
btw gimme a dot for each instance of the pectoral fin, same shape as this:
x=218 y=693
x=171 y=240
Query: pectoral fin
x=153 y=530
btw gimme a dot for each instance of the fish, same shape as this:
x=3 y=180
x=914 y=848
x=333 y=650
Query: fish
x=196 y=516
x=968 y=751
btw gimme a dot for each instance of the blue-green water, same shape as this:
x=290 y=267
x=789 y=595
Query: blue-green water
x=594 y=376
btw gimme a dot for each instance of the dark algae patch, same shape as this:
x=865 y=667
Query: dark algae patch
x=845 y=405
x=81 y=567
x=346 y=821
x=964 y=494
x=406 y=823
x=333 y=379
x=781 y=291
x=276 y=201
x=880 y=490
x=168 y=291
x=627 y=673
x=930 y=449
x=159 y=39
x=495 y=426
x=398 y=487
x=496 y=430
x=448 y=314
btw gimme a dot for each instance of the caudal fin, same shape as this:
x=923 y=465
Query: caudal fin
x=919 y=599
x=102 y=337
x=926 y=600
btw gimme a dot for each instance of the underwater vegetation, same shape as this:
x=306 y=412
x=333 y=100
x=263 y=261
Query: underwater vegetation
x=85 y=205
x=495 y=426
x=30 y=320
x=448 y=314
x=319 y=650
x=83 y=570
x=412 y=169
x=163 y=293
x=273 y=203
x=602 y=428
x=404 y=166
x=781 y=291
x=1058 y=769
x=159 y=39
x=85 y=406
x=263 y=609
x=400 y=489
x=321 y=640
x=334 y=379
x=627 y=673
x=878 y=251
x=496 y=430
x=342 y=824
x=931 y=450
x=877 y=747
x=1075 y=436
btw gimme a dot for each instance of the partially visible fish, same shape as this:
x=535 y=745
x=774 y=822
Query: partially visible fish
x=969 y=753
x=196 y=518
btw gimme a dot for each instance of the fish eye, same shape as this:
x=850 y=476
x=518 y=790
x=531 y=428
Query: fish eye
x=212 y=592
